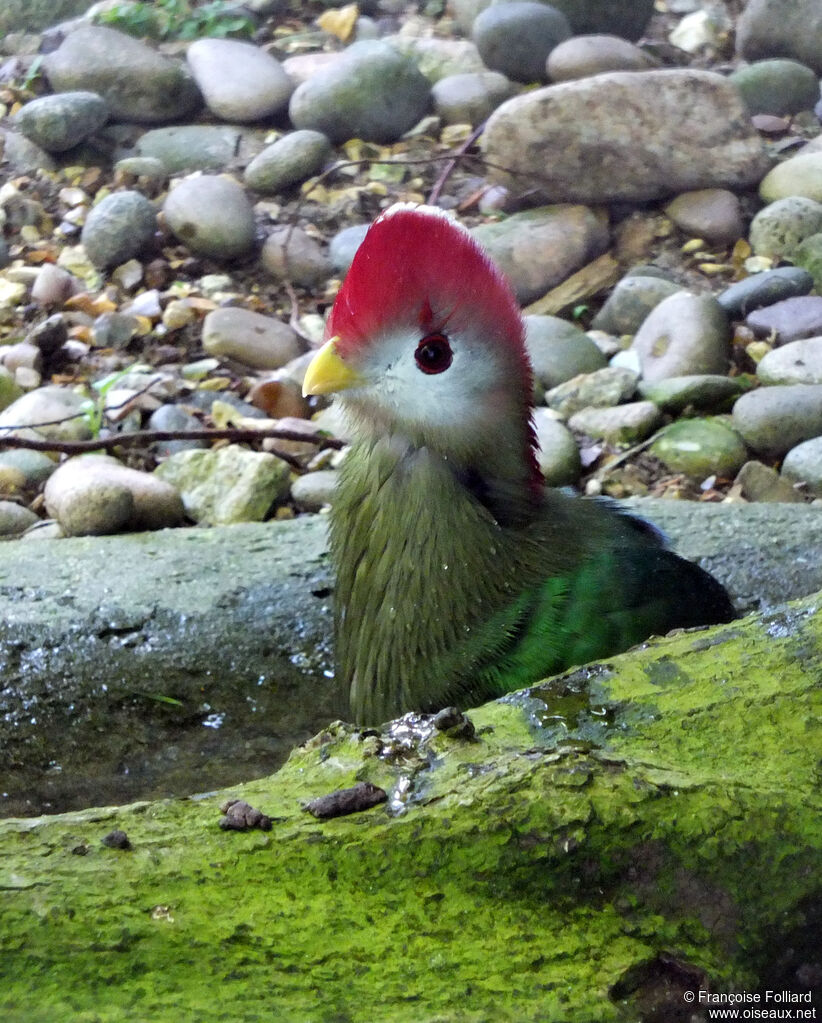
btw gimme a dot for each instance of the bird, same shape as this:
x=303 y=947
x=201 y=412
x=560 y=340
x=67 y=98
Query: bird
x=461 y=576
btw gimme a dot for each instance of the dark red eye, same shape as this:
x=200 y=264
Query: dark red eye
x=434 y=354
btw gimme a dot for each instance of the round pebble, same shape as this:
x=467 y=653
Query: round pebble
x=288 y=161
x=120 y=226
x=683 y=335
x=190 y=147
x=471 y=97
x=95 y=495
x=557 y=452
x=628 y=305
x=15 y=519
x=291 y=254
x=25 y=468
x=777 y=229
x=255 y=87
x=789 y=320
x=371 y=91
x=174 y=418
x=798 y=362
x=803 y=464
x=251 y=338
x=558 y=350
x=602 y=389
x=344 y=245
x=54 y=411
x=623 y=424
x=59 y=122
x=212 y=216
x=778 y=86
x=703 y=391
x=760 y=482
x=584 y=55
x=772 y=420
x=763 y=289
x=314 y=490
x=714 y=214
x=516 y=38
x=799 y=176
x=700 y=448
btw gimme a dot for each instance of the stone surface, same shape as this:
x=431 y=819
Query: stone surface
x=760 y=482
x=14 y=518
x=683 y=335
x=585 y=55
x=251 y=338
x=700 y=448
x=777 y=87
x=763 y=289
x=9 y=390
x=623 y=424
x=808 y=256
x=371 y=91
x=239 y=81
x=714 y=214
x=777 y=229
x=645 y=136
x=705 y=391
x=212 y=216
x=772 y=420
x=290 y=160
x=557 y=452
x=60 y=122
x=539 y=248
x=137 y=83
x=190 y=147
x=788 y=320
x=54 y=412
x=314 y=490
x=781 y=28
x=798 y=176
x=343 y=246
x=227 y=485
x=92 y=495
x=798 y=362
x=803 y=464
x=289 y=253
x=558 y=350
x=515 y=38
x=471 y=97
x=629 y=303
x=119 y=227
x=584 y=16
x=600 y=389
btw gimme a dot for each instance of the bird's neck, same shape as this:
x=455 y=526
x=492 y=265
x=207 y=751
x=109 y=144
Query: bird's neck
x=421 y=558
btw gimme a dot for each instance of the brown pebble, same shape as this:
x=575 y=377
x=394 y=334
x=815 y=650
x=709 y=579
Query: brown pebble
x=361 y=796
x=116 y=840
x=241 y=816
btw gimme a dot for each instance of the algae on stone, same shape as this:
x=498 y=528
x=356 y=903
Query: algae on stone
x=650 y=823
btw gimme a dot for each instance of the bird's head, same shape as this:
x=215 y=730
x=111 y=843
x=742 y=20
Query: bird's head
x=425 y=341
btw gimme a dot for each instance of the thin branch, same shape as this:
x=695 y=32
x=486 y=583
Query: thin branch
x=145 y=437
x=448 y=169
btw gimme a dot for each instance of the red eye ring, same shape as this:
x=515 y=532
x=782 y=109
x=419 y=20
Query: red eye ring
x=433 y=354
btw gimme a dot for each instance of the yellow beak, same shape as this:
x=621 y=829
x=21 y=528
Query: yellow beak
x=327 y=372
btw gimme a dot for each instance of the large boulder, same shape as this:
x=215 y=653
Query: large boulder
x=625 y=136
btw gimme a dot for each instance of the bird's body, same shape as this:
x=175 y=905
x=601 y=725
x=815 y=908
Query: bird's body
x=459 y=575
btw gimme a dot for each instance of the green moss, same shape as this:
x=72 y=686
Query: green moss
x=541 y=872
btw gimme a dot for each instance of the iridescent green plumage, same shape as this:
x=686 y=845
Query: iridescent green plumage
x=438 y=602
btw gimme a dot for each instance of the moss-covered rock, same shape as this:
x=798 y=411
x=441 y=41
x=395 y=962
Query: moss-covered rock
x=607 y=841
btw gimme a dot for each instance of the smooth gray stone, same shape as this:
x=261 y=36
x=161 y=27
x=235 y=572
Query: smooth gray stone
x=764 y=289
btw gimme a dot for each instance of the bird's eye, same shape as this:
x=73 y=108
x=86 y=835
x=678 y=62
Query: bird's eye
x=434 y=354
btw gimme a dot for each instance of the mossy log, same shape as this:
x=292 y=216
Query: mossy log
x=608 y=840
